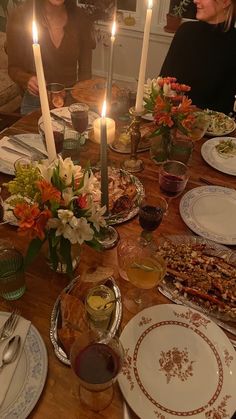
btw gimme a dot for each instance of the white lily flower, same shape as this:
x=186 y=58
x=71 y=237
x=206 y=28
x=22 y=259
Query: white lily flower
x=78 y=231
x=46 y=169
x=65 y=215
x=66 y=169
x=67 y=196
x=96 y=216
x=91 y=184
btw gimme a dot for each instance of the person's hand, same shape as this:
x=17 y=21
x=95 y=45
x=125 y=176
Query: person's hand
x=32 y=86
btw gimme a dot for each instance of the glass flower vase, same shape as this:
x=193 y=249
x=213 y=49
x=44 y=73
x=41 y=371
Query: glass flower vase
x=160 y=147
x=171 y=145
x=64 y=257
x=181 y=147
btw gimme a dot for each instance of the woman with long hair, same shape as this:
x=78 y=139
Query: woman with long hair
x=203 y=55
x=65 y=36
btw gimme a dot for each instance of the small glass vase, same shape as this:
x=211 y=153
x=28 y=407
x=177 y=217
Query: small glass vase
x=61 y=266
x=171 y=145
x=160 y=147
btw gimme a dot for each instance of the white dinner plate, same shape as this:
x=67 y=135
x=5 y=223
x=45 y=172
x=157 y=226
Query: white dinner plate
x=64 y=113
x=29 y=377
x=220 y=124
x=213 y=158
x=177 y=363
x=210 y=212
x=7 y=159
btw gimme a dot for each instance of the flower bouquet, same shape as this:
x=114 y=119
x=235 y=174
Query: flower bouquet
x=170 y=106
x=173 y=112
x=58 y=203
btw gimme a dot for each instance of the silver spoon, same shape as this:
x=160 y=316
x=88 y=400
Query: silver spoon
x=10 y=351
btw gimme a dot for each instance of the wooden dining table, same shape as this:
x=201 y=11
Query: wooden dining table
x=59 y=398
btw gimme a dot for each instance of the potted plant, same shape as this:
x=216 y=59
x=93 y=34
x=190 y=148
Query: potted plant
x=174 y=17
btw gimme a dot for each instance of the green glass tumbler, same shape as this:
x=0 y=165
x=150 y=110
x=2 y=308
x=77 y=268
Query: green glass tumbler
x=12 y=277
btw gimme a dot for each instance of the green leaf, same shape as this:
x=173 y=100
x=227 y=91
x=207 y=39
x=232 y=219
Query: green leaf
x=94 y=244
x=33 y=250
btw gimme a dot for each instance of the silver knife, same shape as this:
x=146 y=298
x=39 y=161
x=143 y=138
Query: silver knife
x=10 y=150
x=13 y=139
x=176 y=300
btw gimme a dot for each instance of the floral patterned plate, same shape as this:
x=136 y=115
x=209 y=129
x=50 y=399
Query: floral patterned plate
x=177 y=363
x=29 y=378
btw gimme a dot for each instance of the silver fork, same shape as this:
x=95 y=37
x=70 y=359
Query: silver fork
x=10 y=325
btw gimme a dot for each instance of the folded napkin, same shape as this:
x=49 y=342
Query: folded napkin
x=7 y=159
x=7 y=372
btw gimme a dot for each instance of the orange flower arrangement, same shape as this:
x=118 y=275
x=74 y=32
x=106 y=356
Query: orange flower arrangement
x=170 y=106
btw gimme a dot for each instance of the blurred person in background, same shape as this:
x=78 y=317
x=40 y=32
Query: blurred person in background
x=66 y=39
x=203 y=55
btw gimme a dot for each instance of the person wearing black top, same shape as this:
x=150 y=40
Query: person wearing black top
x=203 y=55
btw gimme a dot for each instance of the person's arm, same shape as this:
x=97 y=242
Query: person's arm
x=87 y=44
x=16 y=44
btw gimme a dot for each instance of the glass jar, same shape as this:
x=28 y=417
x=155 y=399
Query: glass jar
x=99 y=305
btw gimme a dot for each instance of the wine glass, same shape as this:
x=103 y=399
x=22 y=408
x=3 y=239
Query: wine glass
x=173 y=177
x=96 y=359
x=150 y=217
x=143 y=268
x=79 y=116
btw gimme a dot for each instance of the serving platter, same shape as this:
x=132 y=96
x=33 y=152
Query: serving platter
x=56 y=317
x=225 y=164
x=123 y=148
x=119 y=182
x=169 y=352
x=220 y=124
x=189 y=256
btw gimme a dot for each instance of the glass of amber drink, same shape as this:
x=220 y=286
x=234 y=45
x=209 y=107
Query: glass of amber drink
x=143 y=268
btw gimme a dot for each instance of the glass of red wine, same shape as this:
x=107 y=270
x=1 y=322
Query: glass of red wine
x=79 y=116
x=151 y=213
x=96 y=359
x=173 y=177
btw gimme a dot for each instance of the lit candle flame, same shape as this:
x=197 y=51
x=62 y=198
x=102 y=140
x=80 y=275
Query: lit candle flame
x=150 y=4
x=104 y=109
x=34 y=32
x=113 y=30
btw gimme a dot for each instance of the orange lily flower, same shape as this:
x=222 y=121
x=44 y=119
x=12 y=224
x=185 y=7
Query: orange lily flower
x=48 y=191
x=32 y=221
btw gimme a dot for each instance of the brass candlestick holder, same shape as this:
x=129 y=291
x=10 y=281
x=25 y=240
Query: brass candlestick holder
x=133 y=164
